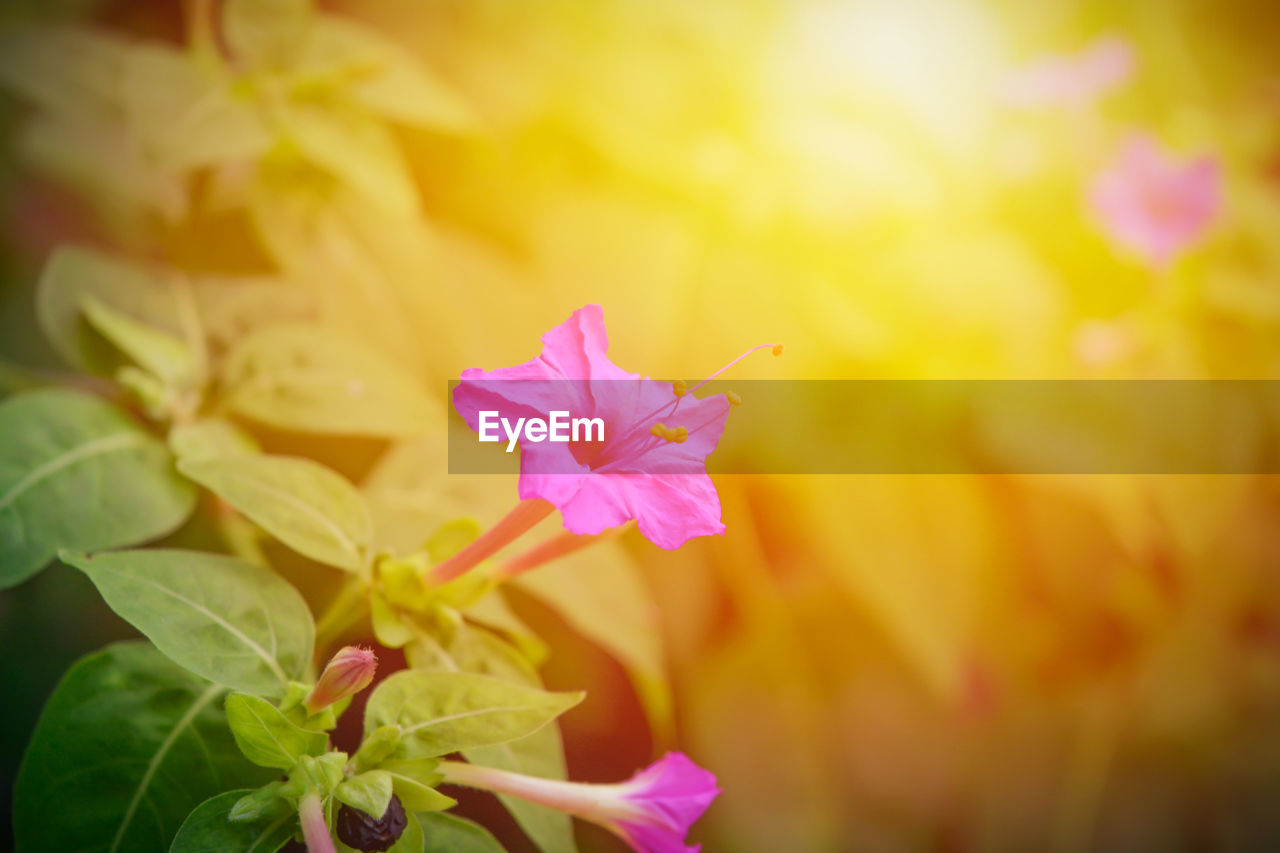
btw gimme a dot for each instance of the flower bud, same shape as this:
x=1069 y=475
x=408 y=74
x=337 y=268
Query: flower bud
x=347 y=673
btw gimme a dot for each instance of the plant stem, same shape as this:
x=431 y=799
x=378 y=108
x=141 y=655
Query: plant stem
x=525 y=515
x=554 y=548
x=315 y=830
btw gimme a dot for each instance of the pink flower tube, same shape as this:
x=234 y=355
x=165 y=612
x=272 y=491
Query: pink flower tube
x=652 y=811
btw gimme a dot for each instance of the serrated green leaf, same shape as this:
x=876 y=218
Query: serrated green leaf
x=305 y=505
x=136 y=742
x=209 y=829
x=370 y=792
x=441 y=831
x=356 y=149
x=77 y=473
x=443 y=712
x=227 y=620
x=165 y=355
x=266 y=737
x=308 y=378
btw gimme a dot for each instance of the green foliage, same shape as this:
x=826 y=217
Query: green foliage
x=266 y=736
x=311 y=379
x=127 y=746
x=413 y=781
x=210 y=829
x=456 y=834
x=226 y=620
x=370 y=792
x=77 y=473
x=443 y=712
x=302 y=503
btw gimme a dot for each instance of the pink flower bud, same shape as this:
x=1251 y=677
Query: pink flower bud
x=347 y=673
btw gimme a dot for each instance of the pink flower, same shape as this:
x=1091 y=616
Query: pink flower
x=1072 y=80
x=652 y=811
x=1153 y=205
x=651 y=465
x=349 y=671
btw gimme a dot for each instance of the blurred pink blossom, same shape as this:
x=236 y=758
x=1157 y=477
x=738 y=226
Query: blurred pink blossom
x=651 y=466
x=1071 y=79
x=652 y=811
x=1152 y=204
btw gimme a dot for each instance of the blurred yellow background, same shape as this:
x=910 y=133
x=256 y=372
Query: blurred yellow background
x=867 y=663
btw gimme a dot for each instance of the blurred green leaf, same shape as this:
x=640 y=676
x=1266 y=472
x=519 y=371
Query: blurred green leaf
x=355 y=148
x=441 y=831
x=226 y=620
x=166 y=356
x=381 y=76
x=258 y=803
x=443 y=712
x=307 y=378
x=209 y=438
x=127 y=746
x=74 y=278
x=209 y=829
x=266 y=736
x=265 y=33
x=77 y=473
x=302 y=503
x=370 y=792
x=66 y=70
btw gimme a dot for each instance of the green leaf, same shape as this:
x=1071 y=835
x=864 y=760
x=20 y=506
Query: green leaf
x=64 y=70
x=441 y=831
x=322 y=774
x=305 y=505
x=208 y=438
x=264 y=33
x=414 y=781
x=126 y=747
x=307 y=378
x=370 y=792
x=381 y=76
x=443 y=712
x=75 y=277
x=356 y=149
x=258 y=803
x=209 y=829
x=410 y=840
x=77 y=473
x=600 y=593
x=229 y=621
x=266 y=737
x=165 y=355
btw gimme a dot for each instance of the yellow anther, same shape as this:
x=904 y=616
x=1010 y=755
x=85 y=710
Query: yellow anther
x=658 y=430
x=777 y=349
x=679 y=435
x=734 y=399
x=680 y=387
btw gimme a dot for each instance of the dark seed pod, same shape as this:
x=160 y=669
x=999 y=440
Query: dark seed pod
x=362 y=831
x=294 y=846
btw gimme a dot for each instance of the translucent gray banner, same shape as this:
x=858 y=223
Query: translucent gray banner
x=880 y=427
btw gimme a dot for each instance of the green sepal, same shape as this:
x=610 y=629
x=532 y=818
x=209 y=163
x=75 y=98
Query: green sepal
x=267 y=737
x=451 y=537
x=294 y=694
x=377 y=747
x=388 y=627
x=370 y=792
x=257 y=804
x=414 y=781
x=401 y=581
x=322 y=774
x=326 y=719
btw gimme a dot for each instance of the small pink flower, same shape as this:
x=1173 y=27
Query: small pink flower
x=651 y=466
x=1153 y=205
x=1072 y=80
x=652 y=811
x=348 y=672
